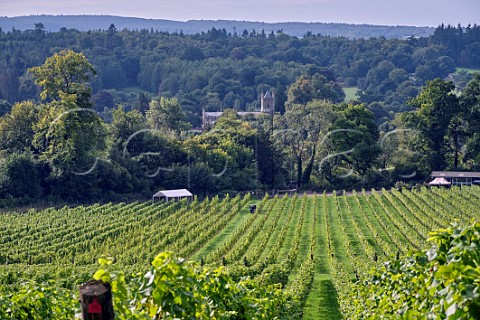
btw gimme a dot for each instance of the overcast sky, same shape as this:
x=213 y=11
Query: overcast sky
x=384 y=12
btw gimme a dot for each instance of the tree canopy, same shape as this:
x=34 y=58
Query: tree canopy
x=86 y=134
x=64 y=74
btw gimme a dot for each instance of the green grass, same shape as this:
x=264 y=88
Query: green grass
x=322 y=301
x=304 y=239
x=376 y=225
x=362 y=224
x=338 y=245
x=350 y=93
x=350 y=229
x=216 y=241
x=349 y=225
x=289 y=238
x=276 y=233
x=469 y=70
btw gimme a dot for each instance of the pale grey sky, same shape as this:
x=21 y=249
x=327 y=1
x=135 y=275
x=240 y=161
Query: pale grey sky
x=384 y=12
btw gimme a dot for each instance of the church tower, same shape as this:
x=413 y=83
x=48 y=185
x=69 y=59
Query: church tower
x=267 y=103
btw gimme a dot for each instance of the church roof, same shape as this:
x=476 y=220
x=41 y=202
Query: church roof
x=267 y=95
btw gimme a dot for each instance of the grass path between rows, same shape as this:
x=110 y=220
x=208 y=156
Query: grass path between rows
x=217 y=241
x=322 y=301
x=305 y=244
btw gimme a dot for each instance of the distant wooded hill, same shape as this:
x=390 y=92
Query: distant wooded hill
x=299 y=29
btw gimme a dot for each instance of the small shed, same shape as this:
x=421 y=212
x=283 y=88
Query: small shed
x=175 y=195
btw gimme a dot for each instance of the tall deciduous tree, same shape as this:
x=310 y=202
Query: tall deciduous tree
x=436 y=107
x=68 y=134
x=20 y=176
x=317 y=86
x=301 y=91
x=167 y=115
x=229 y=152
x=305 y=125
x=69 y=138
x=470 y=102
x=66 y=73
x=356 y=137
x=123 y=127
x=17 y=127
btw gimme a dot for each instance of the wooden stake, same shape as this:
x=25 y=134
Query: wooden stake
x=96 y=300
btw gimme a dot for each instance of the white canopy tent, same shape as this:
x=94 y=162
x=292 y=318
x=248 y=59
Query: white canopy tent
x=176 y=195
x=439 y=182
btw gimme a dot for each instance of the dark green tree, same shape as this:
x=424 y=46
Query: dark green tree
x=229 y=151
x=166 y=115
x=301 y=92
x=17 y=128
x=21 y=176
x=435 y=108
x=123 y=127
x=470 y=104
x=280 y=98
x=355 y=138
x=142 y=102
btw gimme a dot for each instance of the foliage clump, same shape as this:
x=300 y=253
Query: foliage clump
x=174 y=288
x=36 y=301
x=441 y=283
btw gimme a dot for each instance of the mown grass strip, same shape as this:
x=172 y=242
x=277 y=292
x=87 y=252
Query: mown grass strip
x=322 y=301
x=304 y=247
x=221 y=237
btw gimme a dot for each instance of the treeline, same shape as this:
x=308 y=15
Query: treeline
x=61 y=148
x=217 y=69
x=298 y=29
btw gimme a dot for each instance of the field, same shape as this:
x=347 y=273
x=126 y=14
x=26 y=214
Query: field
x=469 y=70
x=324 y=241
x=350 y=93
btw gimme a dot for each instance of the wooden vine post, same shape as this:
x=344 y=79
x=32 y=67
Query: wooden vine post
x=96 y=300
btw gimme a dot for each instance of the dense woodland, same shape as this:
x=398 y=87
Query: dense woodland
x=98 y=114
